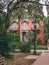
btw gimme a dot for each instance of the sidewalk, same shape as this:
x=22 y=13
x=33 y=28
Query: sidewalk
x=43 y=59
x=36 y=56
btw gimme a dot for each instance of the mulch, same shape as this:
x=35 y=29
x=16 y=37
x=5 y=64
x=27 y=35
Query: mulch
x=19 y=59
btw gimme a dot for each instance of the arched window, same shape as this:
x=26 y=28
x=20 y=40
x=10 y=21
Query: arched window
x=24 y=25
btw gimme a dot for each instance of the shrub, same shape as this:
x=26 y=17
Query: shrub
x=4 y=43
x=39 y=47
x=14 y=37
x=13 y=46
x=25 y=47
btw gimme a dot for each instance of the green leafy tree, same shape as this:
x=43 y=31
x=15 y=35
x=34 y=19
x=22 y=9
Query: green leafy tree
x=30 y=37
x=4 y=35
x=35 y=10
x=47 y=28
x=19 y=8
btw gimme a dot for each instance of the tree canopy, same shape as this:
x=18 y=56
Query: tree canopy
x=14 y=8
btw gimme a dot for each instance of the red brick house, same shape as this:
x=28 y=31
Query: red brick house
x=25 y=27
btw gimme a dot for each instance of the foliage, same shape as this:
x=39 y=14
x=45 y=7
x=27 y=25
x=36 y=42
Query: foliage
x=13 y=46
x=35 y=10
x=39 y=47
x=30 y=36
x=4 y=36
x=4 y=23
x=4 y=41
x=14 y=37
x=46 y=35
x=18 y=11
x=25 y=47
x=47 y=28
x=27 y=10
x=14 y=41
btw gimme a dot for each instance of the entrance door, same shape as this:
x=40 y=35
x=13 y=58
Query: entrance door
x=24 y=36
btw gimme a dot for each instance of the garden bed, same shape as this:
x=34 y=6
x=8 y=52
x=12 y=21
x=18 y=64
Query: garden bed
x=19 y=59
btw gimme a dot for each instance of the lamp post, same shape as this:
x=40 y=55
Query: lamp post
x=35 y=29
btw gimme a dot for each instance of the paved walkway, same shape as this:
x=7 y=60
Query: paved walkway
x=32 y=57
x=43 y=59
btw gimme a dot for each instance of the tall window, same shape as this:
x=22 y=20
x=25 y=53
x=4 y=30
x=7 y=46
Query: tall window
x=24 y=25
x=14 y=26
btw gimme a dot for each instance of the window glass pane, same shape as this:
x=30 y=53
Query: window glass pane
x=14 y=26
x=24 y=26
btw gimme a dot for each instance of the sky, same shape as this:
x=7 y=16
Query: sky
x=45 y=11
x=44 y=7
